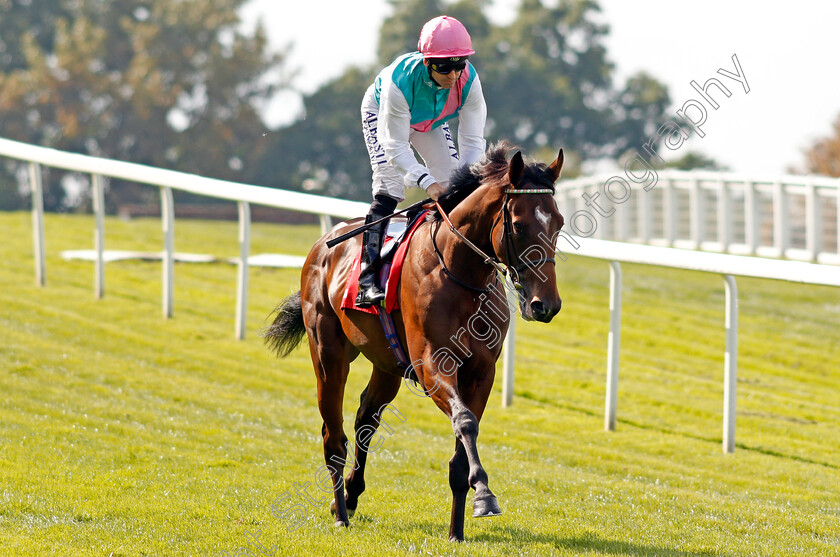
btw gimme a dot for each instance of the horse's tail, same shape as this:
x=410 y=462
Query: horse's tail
x=287 y=330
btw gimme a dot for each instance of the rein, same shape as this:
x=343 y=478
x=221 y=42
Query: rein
x=447 y=272
x=511 y=270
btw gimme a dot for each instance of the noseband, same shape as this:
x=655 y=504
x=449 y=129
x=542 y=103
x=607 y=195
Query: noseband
x=515 y=265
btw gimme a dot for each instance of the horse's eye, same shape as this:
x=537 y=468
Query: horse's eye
x=518 y=229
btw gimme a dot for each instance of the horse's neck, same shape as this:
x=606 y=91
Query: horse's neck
x=473 y=218
x=475 y=215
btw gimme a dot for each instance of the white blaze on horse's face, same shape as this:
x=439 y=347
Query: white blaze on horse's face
x=543 y=218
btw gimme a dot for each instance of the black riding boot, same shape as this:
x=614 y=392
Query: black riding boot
x=370 y=292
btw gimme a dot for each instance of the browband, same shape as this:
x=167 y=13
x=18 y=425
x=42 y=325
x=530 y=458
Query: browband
x=542 y=190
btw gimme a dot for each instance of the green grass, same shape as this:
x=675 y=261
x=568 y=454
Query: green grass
x=126 y=434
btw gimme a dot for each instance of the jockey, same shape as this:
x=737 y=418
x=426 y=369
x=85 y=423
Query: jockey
x=408 y=105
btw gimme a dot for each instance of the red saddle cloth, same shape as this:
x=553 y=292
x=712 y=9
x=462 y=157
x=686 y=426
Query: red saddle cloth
x=393 y=269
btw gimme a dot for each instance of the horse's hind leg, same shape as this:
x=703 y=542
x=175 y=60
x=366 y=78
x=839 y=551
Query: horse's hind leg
x=459 y=469
x=332 y=364
x=380 y=391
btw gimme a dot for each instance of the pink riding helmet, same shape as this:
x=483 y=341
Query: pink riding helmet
x=444 y=37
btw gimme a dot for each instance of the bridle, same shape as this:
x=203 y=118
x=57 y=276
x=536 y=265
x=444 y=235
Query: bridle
x=510 y=248
x=515 y=265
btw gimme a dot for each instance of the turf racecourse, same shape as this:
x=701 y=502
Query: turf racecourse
x=126 y=434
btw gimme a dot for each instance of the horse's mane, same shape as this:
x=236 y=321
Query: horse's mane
x=491 y=169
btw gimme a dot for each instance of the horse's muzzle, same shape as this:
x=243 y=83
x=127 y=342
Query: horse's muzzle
x=541 y=311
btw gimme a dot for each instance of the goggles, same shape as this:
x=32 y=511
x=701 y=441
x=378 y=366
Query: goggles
x=445 y=66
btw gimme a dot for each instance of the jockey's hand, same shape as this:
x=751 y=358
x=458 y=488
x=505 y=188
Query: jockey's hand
x=435 y=191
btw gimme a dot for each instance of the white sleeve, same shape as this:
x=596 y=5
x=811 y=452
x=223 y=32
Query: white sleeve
x=471 y=120
x=394 y=127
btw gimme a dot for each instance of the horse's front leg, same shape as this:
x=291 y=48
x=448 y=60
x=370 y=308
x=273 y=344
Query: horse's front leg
x=465 y=469
x=465 y=425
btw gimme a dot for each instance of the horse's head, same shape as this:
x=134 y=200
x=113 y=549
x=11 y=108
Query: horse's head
x=525 y=232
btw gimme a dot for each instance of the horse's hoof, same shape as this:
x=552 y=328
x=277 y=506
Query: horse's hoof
x=350 y=512
x=486 y=506
x=341 y=523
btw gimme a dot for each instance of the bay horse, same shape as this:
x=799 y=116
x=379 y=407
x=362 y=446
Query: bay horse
x=505 y=209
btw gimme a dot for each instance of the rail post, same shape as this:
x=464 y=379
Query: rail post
x=242 y=275
x=38 y=222
x=698 y=214
x=730 y=364
x=813 y=221
x=326 y=223
x=724 y=219
x=509 y=355
x=167 y=208
x=781 y=232
x=613 y=346
x=97 y=183
x=752 y=217
x=671 y=208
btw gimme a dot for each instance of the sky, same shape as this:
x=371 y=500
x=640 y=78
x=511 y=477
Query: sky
x=789 y=54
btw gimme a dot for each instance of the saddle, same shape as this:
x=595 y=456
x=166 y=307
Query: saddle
x=394 y=247
x=397 y=239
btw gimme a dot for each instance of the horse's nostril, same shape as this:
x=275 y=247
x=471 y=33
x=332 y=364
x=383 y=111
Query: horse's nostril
x=537 y=306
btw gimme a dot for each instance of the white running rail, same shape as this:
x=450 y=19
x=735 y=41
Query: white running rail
x=792 y=217
x=729 y=266
x=816 y=194
x=166 y=180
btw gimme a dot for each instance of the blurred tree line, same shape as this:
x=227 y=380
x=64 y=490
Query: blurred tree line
x=823 y=157
x=167 y=83
x=177 y=84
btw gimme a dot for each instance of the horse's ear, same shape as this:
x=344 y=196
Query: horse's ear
x=516 y=168
x=555 y=167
